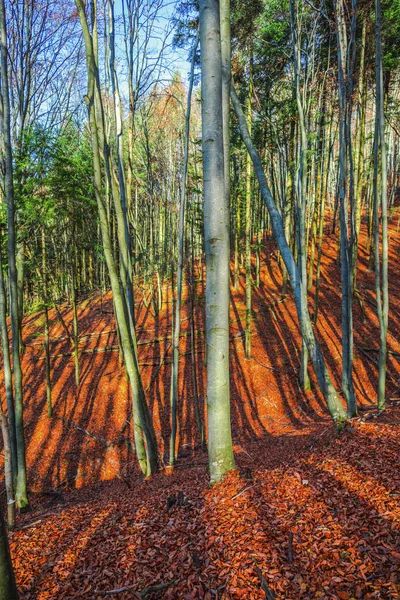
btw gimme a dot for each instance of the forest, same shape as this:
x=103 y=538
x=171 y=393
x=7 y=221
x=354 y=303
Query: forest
x=199 y=299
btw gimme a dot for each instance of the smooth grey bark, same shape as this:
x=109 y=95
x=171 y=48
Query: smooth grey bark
x=359 y=167
x=179 y=276
x=121 y=206
x=20 y=266
x=248 y=230
x=8 y=588
x=346 y=58
x=381 y=202
x=21 y=487
x=300 y=294
x=216 y=234
x=301 y=187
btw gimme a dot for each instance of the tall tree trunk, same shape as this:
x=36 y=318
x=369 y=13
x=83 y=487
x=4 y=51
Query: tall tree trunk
x=20 y=266
x=75 y=336
x=381 y=201
x=346 y=57
x=46 y=325
x=21 y=488
x=300 y=294
x=216 y=232
x=145 y=439
x=359 y=169
x=120 y=197
x=192 y=289
x=177 y=322
x=301 y=205
x=248 y=212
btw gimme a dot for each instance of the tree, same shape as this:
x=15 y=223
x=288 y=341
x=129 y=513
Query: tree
x=8 y=588
x=145 y=439
x=177 y=321
x=21 y=486
x=380 y=204
x=216 y=233
x=300 y=293
x=346 y=49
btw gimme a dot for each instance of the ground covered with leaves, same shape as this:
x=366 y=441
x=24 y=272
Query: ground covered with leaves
x=325 y=525
x=307 y=514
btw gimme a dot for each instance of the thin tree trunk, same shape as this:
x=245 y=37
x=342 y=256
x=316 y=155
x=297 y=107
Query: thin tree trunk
x=300 y=294
x=145 y=439
x=8 y=473
x=192 y=289
x=360 y=147
x=20 y=266
x=248 y=213
x=301 y=192
x=75 y=336
x=8 y=373
x=346 y=56
x=381 y=201
x=21 y=487
x=177 y=322
x=46 y=326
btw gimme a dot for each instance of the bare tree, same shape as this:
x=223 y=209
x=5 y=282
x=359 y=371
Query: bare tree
x=21 y=486
x=380 y=205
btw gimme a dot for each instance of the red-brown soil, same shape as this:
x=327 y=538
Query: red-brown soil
x=308 y=514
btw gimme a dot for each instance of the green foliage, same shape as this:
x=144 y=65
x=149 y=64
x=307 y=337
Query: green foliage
x=54 y=193
x=391 y=34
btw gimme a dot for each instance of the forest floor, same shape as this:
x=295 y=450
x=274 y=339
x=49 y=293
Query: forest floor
x=307 y=514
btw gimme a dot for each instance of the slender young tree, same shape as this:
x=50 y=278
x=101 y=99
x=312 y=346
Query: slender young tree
x=8 y=472
x=380 y=206
x=21 y=487
x=300 y=293
x=248 y=228
x=346 y=59
x=301 y=179
x=5 y=344
x=216 y=233
x=179 y=275
x=145 y=439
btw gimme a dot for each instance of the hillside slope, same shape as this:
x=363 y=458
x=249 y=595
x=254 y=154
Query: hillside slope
x=307 y=514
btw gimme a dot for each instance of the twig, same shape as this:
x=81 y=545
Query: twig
x=244 y=490
x=145 y=592
x=29 y=525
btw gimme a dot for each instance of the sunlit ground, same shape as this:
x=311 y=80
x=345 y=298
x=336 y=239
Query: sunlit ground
x=307 y=516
